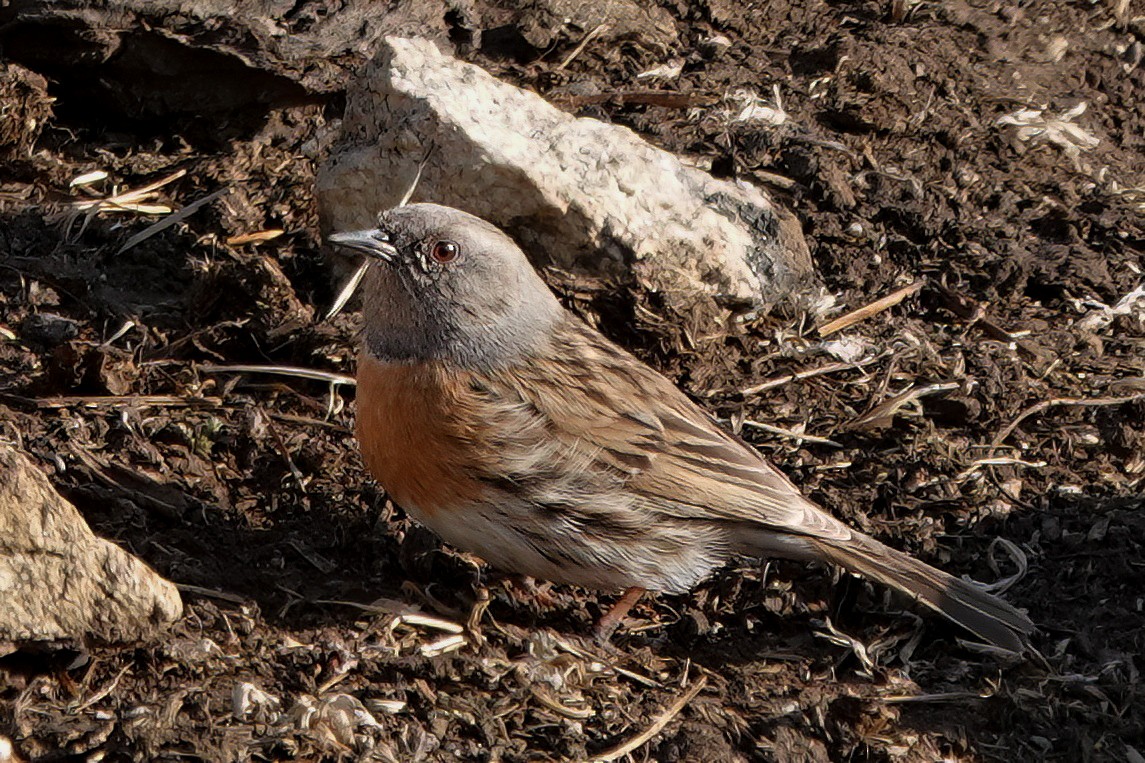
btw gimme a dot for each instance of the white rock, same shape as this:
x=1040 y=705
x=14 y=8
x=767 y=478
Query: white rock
x=715 y=45
x=58 y=580
x=669 y=70
x=576 y=193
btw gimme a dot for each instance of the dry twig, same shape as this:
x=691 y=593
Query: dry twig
x=1059 y=401
x=975 y=314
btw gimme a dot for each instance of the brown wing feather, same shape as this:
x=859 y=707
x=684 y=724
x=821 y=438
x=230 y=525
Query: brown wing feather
x=674 y=454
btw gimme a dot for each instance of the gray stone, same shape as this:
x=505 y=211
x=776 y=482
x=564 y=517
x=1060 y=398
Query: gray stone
x=58 y=581
x=576 y=193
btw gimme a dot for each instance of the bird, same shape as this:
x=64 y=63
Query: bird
x=513 y=430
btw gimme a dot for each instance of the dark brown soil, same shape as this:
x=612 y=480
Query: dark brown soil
x=250 y=486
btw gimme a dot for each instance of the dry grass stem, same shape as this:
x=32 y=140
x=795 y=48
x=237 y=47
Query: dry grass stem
x=883 y=414
x=427 y=621
x=257 y=237
x=403 y=616
x=333 y=402
x=88 y=178
x=359 y=273
x=874 y=308
x=211 y=593
x=123 y=329
x=348 y=289
x=335 y=379
x=657 y=726
x=952 y=696
x=105 y=691
x=801 y=436
x=442 y=646
x=170 y=220
x=128 y=201
x=302 y=480
x=996 y=461
x=416 y=179
x=829 y=368
x=548 y=700
x=1017 y=555
x=584 y=654
x=138 y=401
x=316 y=560
x=860 y=650
x=592 y=33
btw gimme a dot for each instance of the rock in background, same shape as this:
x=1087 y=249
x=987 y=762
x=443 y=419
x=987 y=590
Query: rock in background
x=58 y=581
x=224 y=58
x=576 y=193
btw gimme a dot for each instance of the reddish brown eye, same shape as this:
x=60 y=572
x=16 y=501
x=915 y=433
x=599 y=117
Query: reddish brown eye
x=445 y=251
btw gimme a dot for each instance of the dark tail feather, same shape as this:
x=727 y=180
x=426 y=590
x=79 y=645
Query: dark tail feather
x=981 y=613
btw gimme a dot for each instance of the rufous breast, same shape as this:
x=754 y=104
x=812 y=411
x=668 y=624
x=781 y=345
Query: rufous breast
x=412 y=435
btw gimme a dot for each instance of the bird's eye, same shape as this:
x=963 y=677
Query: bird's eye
x=444 y=252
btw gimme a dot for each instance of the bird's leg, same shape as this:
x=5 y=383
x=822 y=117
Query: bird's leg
x=607 y=624
x=473 y=623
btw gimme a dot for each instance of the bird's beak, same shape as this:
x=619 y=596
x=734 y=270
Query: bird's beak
x=372 y=243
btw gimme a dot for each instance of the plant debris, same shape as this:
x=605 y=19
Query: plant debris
x=922 y=143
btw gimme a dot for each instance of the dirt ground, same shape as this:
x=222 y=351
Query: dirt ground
x=991 y=424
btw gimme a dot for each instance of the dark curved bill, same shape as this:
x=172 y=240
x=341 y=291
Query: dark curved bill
x=372 y=243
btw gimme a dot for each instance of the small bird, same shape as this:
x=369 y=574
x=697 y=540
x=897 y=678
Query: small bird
x=515 y=431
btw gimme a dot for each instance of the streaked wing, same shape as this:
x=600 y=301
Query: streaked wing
x=669 y=451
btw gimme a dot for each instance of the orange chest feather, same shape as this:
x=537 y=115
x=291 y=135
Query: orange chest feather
x=411 y=437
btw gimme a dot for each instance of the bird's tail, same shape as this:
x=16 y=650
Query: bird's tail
x=981 y=613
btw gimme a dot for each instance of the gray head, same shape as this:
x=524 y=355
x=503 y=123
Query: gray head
x=445 y=285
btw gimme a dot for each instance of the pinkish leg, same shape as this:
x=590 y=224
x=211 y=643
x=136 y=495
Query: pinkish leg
x=607 y=624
